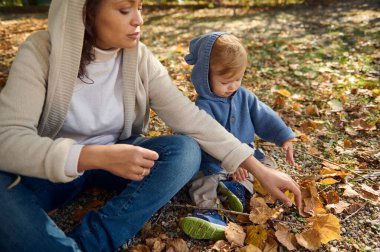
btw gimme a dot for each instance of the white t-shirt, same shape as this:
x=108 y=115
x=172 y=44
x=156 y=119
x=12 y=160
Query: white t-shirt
x=96 y=113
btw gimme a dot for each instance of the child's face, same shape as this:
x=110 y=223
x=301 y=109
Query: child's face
x=223 y=86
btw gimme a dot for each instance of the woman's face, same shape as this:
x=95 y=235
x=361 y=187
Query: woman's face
x=118 y=24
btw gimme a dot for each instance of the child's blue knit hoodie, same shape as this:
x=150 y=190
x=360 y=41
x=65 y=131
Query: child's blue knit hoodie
x=242 y=114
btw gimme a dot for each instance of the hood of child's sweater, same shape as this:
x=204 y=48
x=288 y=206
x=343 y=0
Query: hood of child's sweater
x=199 y=56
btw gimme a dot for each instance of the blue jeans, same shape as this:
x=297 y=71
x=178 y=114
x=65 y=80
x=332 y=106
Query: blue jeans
x=25 y=226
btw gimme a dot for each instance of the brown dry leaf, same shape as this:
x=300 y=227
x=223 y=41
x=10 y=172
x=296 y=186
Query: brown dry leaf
x=360 y=124
x=310 y=125
x=271 y=245
x=140 y=248
x=221 y=246
x=249 y=248
x=90 y=206
x=329 y=172
x=330 y=165
x=328 y=227
x=353 y=208
x=235 y=233
x=285 y=238
x=258 y=188
x=369 y=193
x=279 y=102
x=349 y=192
x=269 y=199
x=338 y=207
x=312 y=110
x=298 y=97
x=311 y=202
x=309 y=239
x=260 y=212
x=314 y=151
x=176 y=245
x=155 y=244
x=328 y=181
x=335 y=105
x=256 y=235
x=331 y=197
x=350 y=131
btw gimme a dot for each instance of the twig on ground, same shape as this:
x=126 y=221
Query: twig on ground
x=209 y=208
x=354 y=213
x=344 y=168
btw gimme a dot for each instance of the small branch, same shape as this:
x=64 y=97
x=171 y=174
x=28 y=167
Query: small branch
x=354 y=213
x=210 y=208
x=344 y=168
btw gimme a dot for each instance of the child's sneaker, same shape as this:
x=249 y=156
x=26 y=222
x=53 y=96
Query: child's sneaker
x=232 y=195
x=207 y=225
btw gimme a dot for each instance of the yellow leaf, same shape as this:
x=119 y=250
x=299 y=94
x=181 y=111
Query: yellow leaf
x=258 y=188
x=327 y=225
x=256 y=235
x=328 y=181
x=309 y=239
x=290 y=195
x=154 y=133
x=284 y=92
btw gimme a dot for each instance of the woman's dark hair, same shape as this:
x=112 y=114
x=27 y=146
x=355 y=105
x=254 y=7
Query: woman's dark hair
x=89 y=14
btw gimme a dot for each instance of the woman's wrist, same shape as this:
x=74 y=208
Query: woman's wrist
x=253 y=166
x=91 y=157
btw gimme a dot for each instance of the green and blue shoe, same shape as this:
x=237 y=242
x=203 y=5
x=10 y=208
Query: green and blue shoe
x=232 y=195
x=207 y=225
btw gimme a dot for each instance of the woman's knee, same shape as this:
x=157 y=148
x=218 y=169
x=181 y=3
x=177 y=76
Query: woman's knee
x=189 y=149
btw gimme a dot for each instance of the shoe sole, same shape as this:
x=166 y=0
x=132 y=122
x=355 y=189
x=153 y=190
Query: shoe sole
x=200 y=229
x=231 y=200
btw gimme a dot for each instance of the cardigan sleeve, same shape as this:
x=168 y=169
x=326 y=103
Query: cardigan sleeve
x=179 y=113
x=22 y=100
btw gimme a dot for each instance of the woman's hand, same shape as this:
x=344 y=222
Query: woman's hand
x=287 y=147
x=273 y=181
x=240 y=174
x=124 y=160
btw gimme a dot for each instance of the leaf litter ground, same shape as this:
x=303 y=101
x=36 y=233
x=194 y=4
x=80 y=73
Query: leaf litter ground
x=319 y=69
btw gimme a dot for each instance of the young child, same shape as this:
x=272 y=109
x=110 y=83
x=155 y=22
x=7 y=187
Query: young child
x=220 y=61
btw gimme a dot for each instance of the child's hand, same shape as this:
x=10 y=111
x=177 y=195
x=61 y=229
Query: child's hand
x=240 y=174
x=287 y=147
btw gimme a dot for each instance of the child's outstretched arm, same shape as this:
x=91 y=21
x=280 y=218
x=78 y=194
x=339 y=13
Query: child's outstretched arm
x=287 y=147
x=273 y=181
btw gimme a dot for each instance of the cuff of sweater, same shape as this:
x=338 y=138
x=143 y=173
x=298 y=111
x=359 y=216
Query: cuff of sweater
x=234 y=159
x=284 y=135
x=71 y=166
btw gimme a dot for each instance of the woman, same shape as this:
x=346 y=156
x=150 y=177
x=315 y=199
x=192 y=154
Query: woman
x=72 y=93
